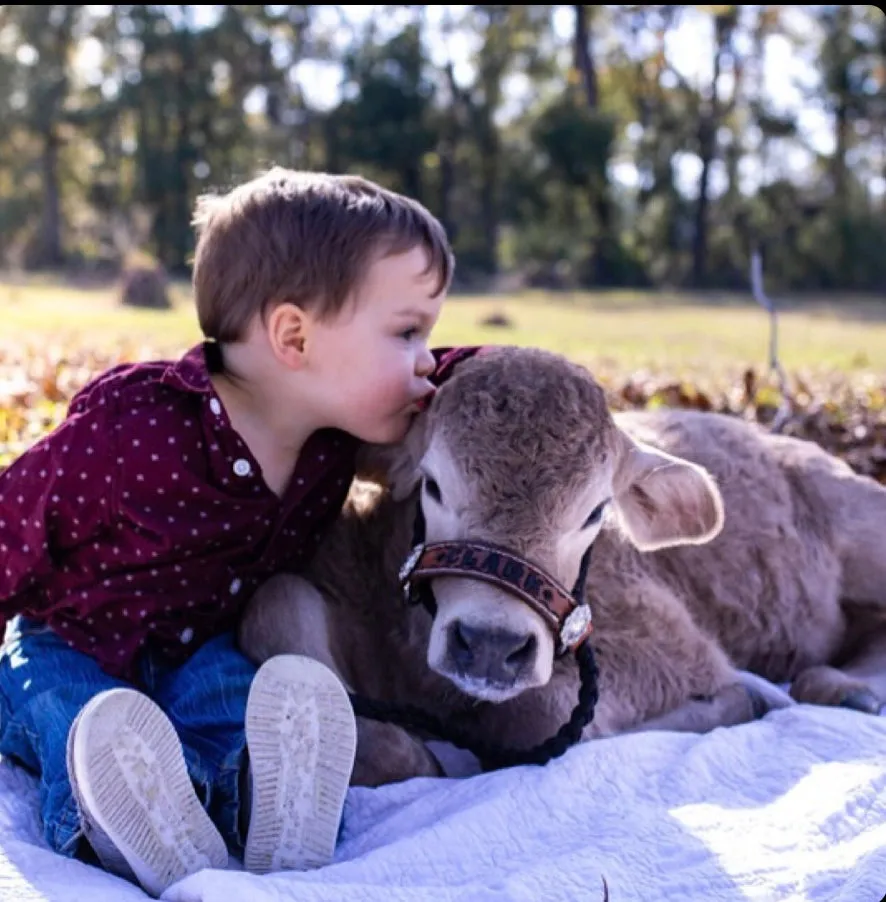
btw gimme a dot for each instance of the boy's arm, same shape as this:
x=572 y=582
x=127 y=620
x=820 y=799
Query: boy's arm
x=56 y=495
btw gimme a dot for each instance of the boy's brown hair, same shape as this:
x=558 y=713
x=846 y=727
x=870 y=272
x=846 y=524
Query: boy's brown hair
x=305 y=238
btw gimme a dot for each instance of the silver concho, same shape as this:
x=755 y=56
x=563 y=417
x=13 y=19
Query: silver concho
x=575 y=625
x=410 y=562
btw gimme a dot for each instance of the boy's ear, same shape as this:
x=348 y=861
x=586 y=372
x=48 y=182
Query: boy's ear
x=288 y=328
x=396 y=466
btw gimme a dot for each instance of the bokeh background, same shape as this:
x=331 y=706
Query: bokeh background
x=606 y=174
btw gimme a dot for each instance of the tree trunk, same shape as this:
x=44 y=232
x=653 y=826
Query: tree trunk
x=453 y=128
x=489 y=164
x=709 y=120
x=412 y=181
x=735 y=152
x=841 y=141
x=50 y=252
x=841 y=37
x=446 y=186
x=584 y=61
x=182 y=166
x=599 y=193
x=706 y=138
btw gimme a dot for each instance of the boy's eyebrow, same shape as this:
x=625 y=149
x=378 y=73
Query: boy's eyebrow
x=413 y=311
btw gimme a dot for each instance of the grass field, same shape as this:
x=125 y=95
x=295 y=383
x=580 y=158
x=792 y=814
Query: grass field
x=618 y=331
x=646 y=349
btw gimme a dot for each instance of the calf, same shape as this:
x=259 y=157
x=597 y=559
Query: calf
x=718 y=550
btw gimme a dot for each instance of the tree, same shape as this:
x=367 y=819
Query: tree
x=36 y=93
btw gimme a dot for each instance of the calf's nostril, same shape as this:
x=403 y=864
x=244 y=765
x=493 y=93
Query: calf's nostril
x=523 y=654
x=462 y=641
x=462 y=637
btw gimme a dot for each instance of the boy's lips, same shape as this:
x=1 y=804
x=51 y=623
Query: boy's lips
x=423 y=402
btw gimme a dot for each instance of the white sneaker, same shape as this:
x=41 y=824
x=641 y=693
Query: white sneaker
x=302 y=738
x=137 y=805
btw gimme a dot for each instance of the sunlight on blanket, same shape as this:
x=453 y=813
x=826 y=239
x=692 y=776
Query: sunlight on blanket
x=14 y=884
x=831 y=795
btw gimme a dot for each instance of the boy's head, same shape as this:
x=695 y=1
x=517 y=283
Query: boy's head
x=303 y=238
x=332 y=281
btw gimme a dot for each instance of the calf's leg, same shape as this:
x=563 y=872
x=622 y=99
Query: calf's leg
x=288 y=615
x=733 y=704
x=388 y=754
x=859 y=682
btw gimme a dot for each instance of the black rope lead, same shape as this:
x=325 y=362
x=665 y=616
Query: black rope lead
x=490 y=755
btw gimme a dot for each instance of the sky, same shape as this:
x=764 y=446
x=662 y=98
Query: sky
x=688 y=49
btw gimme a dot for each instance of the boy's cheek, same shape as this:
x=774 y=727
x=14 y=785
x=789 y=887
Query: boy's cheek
x=425 y=402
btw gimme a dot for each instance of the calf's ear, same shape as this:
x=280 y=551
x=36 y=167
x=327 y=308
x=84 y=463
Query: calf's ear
x=661 y=500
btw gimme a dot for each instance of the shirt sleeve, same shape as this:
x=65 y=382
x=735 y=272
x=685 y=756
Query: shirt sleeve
x=55 y=496
x=448 y=358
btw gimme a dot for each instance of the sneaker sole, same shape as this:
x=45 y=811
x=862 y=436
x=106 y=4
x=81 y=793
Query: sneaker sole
x=302 y=739
x=132 y=780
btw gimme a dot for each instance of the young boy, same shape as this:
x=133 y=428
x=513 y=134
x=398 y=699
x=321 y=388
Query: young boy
x=132 y=535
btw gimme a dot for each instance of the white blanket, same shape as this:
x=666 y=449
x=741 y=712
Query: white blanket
x=792 y=807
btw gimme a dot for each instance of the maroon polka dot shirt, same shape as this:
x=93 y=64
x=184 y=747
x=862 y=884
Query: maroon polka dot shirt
x=142 y=521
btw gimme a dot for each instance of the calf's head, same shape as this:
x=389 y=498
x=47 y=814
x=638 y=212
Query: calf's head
x=519 y=450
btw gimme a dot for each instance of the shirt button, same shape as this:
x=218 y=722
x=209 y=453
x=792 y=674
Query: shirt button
x=186 y=635
x=241 y=467
x=235 y=586
x=215 y=406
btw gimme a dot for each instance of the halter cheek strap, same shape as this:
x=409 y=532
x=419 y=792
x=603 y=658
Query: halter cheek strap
x=567 y=614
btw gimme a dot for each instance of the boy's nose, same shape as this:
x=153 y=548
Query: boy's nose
x=425 y=364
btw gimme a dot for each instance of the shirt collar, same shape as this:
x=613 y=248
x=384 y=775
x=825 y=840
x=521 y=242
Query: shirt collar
x=191 y=371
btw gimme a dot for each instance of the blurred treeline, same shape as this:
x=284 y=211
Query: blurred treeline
x=560 y=145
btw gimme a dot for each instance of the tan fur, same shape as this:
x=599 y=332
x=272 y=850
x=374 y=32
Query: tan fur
x=724 y=549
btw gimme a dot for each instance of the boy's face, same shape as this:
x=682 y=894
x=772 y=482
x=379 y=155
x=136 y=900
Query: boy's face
x=371 y=362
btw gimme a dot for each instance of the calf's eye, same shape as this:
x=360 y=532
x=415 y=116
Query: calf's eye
x=596 y=515
x=433 y=489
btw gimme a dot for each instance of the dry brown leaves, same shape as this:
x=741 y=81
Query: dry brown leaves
x=845 y=414
x=37 y=383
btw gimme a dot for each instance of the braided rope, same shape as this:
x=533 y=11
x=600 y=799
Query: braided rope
x=493 y=756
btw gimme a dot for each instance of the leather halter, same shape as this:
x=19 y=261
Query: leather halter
x=531 y=585
x=567 y=614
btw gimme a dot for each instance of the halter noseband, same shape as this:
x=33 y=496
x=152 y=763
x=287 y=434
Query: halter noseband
x=566 y=614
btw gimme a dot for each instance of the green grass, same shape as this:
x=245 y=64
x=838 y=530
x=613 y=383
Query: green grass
x=39 y=310
x=616 y=330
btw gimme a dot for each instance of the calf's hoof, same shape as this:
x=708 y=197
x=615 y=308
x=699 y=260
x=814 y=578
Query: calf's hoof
x=862 y=700
x=763 y=695
x=759 y=703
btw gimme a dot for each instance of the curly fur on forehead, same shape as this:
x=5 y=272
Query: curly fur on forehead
x=527 y=428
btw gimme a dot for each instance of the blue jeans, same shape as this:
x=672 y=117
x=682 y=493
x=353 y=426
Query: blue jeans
x=44 y=683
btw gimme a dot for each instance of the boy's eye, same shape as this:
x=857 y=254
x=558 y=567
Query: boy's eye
x=409 y=333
